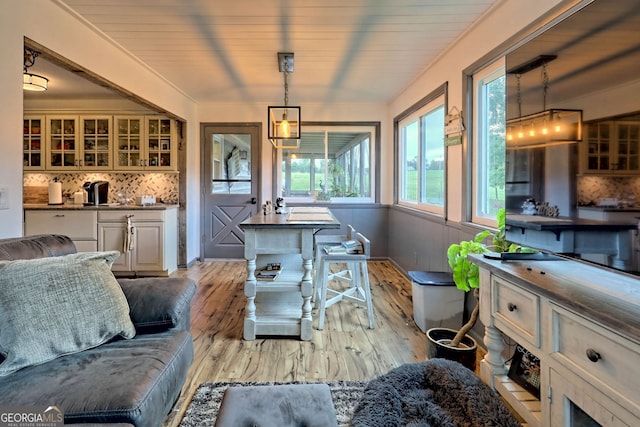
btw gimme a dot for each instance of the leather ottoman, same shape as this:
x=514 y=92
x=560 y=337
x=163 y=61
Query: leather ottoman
x=284 y=405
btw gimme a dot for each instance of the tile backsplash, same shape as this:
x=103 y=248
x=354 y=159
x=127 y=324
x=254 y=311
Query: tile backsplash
x=162 y=185
x=593 y=188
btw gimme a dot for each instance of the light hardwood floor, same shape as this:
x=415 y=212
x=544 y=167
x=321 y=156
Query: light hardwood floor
x=345 y=350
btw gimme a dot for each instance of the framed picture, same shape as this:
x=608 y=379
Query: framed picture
x=525 y=370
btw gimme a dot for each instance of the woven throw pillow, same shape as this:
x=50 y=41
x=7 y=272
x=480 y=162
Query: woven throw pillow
x=54 y=306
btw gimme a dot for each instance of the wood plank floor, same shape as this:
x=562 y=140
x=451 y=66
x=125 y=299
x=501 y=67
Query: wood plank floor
x=345 y=350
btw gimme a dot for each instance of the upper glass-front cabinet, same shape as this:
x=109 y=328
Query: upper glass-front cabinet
x=144 y=143
x=159 y=142
x=612 y=147
x=62 y=141
x=32 y=143
x=96 y=142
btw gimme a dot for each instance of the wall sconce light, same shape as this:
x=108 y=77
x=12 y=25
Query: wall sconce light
x=548 y=127
x=31 y=81
x=284 y=121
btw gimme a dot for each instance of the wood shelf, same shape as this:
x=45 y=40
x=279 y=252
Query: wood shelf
x=525 y=404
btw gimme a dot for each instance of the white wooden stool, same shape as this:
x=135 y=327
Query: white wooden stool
x=357 y=276
x=321 y=240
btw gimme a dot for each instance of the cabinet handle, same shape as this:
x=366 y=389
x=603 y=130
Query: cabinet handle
x=512 y=307
x=58 y=216
x=593 y=355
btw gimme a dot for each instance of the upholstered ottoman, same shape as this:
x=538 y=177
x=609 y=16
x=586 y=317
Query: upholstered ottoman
x=284 y=405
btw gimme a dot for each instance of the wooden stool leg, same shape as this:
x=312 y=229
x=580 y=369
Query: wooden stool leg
x=367 y=292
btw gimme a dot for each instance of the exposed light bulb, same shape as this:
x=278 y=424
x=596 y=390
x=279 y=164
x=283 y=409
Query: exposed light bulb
x=285 y=129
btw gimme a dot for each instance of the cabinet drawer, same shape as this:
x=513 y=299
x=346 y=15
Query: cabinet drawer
x=78 y=225
x=516 y=312
x=616 y=361
x=138 y=215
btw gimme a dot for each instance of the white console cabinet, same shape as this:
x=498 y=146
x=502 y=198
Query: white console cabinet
x=582 y=322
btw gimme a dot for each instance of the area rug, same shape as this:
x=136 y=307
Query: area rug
x=203 y=409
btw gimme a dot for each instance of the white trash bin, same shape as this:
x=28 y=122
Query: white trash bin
x=437 y=302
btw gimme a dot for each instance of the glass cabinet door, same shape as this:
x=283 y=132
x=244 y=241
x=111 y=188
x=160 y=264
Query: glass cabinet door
x=32 y=143
x=628 y=136
x=159 y=143
x=598 y=147
x=62 y=143
x=96 y=142
x=128 y=137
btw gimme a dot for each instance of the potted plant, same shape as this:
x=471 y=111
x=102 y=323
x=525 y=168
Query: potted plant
x=457 y=345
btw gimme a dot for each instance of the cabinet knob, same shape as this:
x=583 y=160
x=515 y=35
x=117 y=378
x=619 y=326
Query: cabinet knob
x=512 y=307
x=593 y=355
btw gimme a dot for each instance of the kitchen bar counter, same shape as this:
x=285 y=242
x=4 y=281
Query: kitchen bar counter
x=111 y=206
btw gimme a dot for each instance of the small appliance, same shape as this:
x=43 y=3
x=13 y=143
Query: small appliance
x=97 y=192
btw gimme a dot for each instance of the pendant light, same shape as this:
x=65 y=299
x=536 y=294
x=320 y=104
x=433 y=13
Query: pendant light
x=31 y=81
x=548 y=127
x=284 y=120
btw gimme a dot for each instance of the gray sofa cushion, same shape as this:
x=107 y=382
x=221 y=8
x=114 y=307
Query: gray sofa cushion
x=125 y=381
x=50 y=307
x=157 y=308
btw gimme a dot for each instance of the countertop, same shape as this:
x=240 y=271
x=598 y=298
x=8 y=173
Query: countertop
x=70 y=206
x=611 y=208
x=609 y=297
x=295 y=217
x=545 y=223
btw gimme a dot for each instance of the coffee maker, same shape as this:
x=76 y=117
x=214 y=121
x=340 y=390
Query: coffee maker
x=97 y=192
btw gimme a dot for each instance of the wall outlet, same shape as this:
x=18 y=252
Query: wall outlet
x=4 y=198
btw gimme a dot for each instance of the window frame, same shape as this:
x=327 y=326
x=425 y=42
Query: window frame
x=374 y=163
x=438 y=97
x=488 y=73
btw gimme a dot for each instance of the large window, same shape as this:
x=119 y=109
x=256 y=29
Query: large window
x=421 y=155
x=489 y=144
x=333 y=163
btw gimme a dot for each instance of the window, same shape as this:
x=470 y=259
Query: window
x=421 y=155
x=333 y=163
x=489 y=144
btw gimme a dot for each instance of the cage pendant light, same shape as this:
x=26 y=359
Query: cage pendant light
x=284 y=120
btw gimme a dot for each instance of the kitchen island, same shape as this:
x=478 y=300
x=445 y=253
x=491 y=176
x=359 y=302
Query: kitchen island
x=282 y=306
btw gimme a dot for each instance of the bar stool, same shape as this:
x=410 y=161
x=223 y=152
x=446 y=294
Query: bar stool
x=322 y=240
x=358 y=279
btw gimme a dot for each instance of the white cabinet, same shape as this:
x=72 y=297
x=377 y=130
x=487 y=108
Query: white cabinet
x=99 y=143
x=62 y=143
x=79 y=225
x=145 y=143
x=95 y=146
x=154 y=240
x=612 y=148
x=582 y=322
x=33 y=146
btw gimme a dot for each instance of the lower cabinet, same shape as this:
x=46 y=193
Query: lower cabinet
x=153 y=242
x=581 y=322
x=79 y=225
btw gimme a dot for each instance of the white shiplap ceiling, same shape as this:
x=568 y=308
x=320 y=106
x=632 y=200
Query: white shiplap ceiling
x=226 y=50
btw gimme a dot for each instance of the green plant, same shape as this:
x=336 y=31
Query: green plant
x=466 y=274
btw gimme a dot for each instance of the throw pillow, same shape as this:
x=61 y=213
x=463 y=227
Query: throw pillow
x=54 y=306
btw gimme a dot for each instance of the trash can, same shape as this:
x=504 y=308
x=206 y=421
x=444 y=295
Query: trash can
x=437 y=302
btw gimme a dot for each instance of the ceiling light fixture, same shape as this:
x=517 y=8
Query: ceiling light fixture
x=284 y=121
x=31 y=81
x=548 y=127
